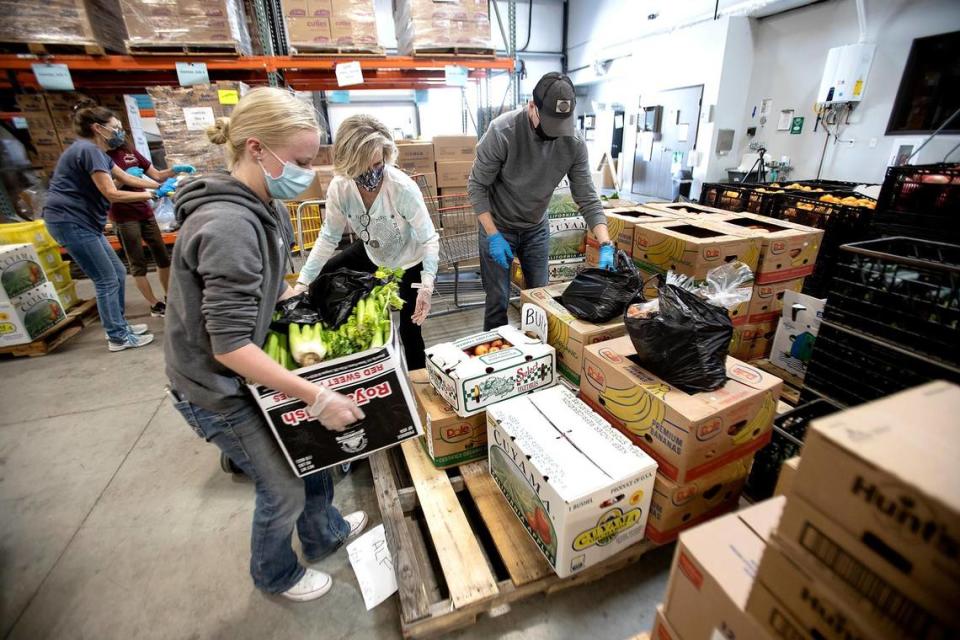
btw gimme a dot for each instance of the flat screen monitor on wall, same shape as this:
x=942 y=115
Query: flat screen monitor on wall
x=929 y=88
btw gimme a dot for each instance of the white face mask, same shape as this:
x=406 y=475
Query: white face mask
x=293 y=180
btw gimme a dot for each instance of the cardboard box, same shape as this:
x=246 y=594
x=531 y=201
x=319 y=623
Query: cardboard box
x=558 y=271
x=690 y=247
x=324 y=155
x=713 y=571
x=687 y=209
x=48 y=155
x=28 y=315
x=621 y=221
x=877 y=591
x=567 y=334
x=689 y=435
x=751 y=341
x=470 y=383
x=454 y=148
x=785 y=596
x=767 y=300
x=800 y=318
x=662 y=629
x=41 y=128
x=448 y=439
x=676 y=507
x=431 y=179
x=568 y=236
x=20 y=270
x=453 y=174
x=31 y=102
x=375 y=380
x=321 y=182
x=416 y=157
x=887 y=473
x=580 y=489
x=789 y=250
x=787 y=477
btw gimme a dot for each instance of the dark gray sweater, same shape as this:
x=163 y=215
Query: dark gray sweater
x=516 y=172
x=225 y=278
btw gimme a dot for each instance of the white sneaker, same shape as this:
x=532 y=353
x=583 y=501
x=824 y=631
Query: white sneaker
x=135 y=329
x=130 y=342
x=311 y=586
x=358 y=521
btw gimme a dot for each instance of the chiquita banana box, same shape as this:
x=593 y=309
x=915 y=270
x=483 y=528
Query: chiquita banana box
x=581 y=490
x=689 y=435
x=789 y=250
x=692 y=247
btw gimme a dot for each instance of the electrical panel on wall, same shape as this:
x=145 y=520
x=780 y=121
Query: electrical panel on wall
x=845 y=73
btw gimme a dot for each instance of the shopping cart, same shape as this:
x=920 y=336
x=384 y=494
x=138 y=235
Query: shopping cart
x=306 y=217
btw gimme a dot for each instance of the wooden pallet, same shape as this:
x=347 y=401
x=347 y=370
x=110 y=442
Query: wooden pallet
x=79 y=316
x=792 y=385
x=458 y=549
x=196 y=49
x=455 y=52
x=302 y=51
x=53 y=48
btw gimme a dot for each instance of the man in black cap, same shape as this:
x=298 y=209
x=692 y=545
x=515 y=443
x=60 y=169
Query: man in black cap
x=521 y=159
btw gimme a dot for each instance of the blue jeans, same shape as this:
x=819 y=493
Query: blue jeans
x=283 y=500
x=93 y=254
x=532 y=248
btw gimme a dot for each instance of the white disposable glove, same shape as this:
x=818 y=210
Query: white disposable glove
x=335 y=411
x=300 y=288
x=422 y=308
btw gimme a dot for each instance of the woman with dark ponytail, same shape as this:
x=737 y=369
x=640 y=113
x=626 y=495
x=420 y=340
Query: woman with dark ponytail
x=81 y=190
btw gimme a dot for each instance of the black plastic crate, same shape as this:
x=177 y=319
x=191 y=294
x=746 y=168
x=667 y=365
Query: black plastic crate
x=852 y=368
x=903 y=290
x=831 y=185
x=921 y=201
x=789 y=431
x=726 y=196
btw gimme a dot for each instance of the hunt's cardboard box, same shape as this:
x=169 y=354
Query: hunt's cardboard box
x=767 y=300
x=453 y=174
x=20 y=270
x=676 y=507
x=662 y=629
x=567 y=334
x=789 y=250
x=375 y=380
x=558 y=271
x=713 y=571
x=580 y=489
x=687 y=209
x=460 y=148
x=568 y=236
x=620 y=224
x=751 y=341
x=690 y=247
x=800 y=318
x=448 y=439
x=689 y=435
x=788 y=475
x=470 y=381
x=416 y=157
x=28 y=315
x=887 y=474
x=785 y=596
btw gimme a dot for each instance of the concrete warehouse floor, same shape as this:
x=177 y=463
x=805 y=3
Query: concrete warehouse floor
x=117 y=521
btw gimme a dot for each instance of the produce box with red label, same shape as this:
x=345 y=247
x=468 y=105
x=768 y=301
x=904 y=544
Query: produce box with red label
x=789 y=250
x=448 y=439
x=691 y=247
x=580 y=488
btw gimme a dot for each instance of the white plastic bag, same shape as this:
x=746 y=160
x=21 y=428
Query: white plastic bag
x=164 y=213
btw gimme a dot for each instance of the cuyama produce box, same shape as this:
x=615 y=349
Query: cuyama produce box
x=479 y=370
x=376 y=381
x=567 y=237
x=689 y=435
x=580 y=488
x=20 y=270
x=566 y=333
x=448 y=439
x=28 y=315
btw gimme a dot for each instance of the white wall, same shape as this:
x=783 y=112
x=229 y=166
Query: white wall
x=788 y=63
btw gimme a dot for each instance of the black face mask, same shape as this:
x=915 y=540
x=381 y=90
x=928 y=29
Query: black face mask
x=543 y=134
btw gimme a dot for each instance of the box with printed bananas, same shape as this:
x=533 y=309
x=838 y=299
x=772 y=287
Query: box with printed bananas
x=581 y=490
x=752 y=341
x=687 y=209
x=448 y=439
x=620 y=224
x=691 y=247
x=566 y=333
x=689 y=435
x=677 y=506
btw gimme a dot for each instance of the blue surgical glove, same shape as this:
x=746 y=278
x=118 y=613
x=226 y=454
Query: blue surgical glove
x=136 y=172
x=169 y=186
x=183 y=168
x=499 y=250
x=606 y=257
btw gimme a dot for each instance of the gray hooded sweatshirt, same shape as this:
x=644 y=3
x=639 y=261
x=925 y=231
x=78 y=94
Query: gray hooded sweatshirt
x=225 y=278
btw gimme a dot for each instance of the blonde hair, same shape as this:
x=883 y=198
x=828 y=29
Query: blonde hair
x=272 y=115
x=358 y=139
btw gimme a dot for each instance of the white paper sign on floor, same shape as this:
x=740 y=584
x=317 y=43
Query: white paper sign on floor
x=371 y=561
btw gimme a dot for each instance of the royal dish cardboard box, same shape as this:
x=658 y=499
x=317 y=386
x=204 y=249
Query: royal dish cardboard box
x=713 y=571
x=448 y=439
x=887 y=472
x=459 y=148
x=567 y=334
x=789 y=250
x=484 y=368
x=375 y=380
x=689 y=435
x=800 y=318
x=691 y=247
x=416 y=157
x=766 y=301
x=580 y=488
x=676 y=507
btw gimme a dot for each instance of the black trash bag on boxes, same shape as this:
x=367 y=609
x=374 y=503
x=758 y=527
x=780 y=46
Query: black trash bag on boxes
x=599 y=295
x=686 y=342
x=335 y=294
x=294 y=310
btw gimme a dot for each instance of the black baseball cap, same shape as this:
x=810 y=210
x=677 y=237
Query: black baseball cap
x=556 y=101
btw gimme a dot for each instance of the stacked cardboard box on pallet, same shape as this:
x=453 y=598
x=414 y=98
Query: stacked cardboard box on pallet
x=867 y=545
x=47 y=253
x=424 y=25
x=29 y=304
x=330 y=25
x=83 y=23
x=453 y=156
x=218 y=24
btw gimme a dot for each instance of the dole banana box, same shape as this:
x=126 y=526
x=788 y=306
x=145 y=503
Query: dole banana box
x=484 y=368
x=687 y=209
x=448 y=439
x=566 y=333
x=789 y=250
x=887 y=472
x=689 y=435
x=620 y=224
x=766 y=302
x=713 y=572
x=752 y=341
x=676 y=507
x=691 y=247
x=581 y=490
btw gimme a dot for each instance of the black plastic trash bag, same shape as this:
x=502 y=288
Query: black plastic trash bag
x=686 y=342
x=294 y=310
x=599 y=295
x=335 y=294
